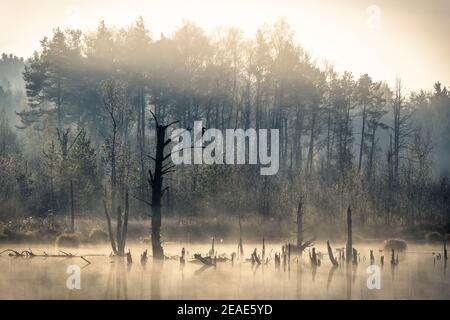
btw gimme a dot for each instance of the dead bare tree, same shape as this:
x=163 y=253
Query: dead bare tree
x=300 y=244
x=162 y=166
x=118 y=244
x=114 y=104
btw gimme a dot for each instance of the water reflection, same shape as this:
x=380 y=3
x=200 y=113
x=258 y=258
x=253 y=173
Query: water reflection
x=348 y=276
x=299 y=281
x=112 y=278
x=155 y=289
x=330 y=276
x=116 y=287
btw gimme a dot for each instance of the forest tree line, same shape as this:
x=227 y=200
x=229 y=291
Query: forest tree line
x=84 y=116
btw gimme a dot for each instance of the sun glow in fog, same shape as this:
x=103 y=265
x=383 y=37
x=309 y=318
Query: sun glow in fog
x=384 y=38
x=324 y=30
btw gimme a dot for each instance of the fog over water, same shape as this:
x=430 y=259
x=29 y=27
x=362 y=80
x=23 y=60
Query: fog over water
x=415 y=277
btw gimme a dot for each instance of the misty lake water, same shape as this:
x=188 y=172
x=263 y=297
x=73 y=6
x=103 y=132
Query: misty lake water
x=417 y=276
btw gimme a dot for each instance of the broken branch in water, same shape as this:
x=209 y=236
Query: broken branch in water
x=205 y=261
x=29 y=254
x=330 y=255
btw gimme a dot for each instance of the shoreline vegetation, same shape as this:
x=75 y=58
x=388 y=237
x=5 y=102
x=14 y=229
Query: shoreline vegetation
x=37 y=231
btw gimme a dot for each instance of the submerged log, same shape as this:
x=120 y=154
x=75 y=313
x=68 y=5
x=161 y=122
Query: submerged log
x=206 y=262
x=30 y=254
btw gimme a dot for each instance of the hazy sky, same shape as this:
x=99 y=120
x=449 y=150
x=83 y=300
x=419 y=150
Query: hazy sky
x=385 y=38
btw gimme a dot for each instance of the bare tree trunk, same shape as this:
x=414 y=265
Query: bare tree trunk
x=119 y=232
x=445 y=249
x=311 y=142
x=156 y=182
x=328 y=142
x=72 y=211
x=156 y=197
x=263 y=254
x=110 y=232
x=372 y=154
x=363 y=132
x=124 y=227
x=241 y=247
x=299 y=225
x=349 y=249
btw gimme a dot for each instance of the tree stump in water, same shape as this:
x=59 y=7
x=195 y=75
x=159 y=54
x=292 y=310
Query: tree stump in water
x=393 y=263
x=445 y=250
x=349 y=249
x=144 y=258
x=313 y=257
x=277 y=261
x=354 y=256
x=183 y=257
x=206 y=262
x=372 y=258
x=255 y=257
x=330 y=255
x=129 y=258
